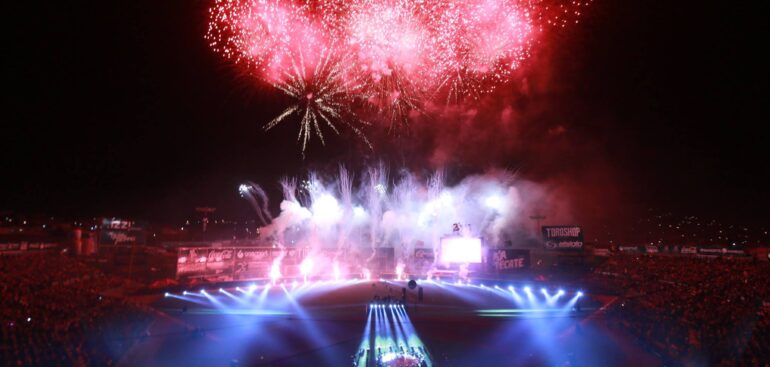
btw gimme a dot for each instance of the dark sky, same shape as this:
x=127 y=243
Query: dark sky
x=119 y=108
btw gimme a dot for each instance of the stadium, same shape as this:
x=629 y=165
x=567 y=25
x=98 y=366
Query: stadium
x=384 y=183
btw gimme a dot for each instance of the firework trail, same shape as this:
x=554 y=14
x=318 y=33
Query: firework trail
x=390 y=56
x=258 y=200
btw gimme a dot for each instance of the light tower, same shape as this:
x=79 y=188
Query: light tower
x=205 y=212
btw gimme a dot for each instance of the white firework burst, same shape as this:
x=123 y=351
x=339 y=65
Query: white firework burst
x=323 y=96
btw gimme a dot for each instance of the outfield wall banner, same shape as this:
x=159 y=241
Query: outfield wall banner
x=692 y=250
x=507 y=260
x=563 y=237
x=651 y=249
x=27 y=246
x=210 y=264
x=252 y=263
x=423 y=260
x=723 y=251
x=628 y=248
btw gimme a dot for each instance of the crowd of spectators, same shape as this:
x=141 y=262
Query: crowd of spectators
x=706 y=311
x=54 y=312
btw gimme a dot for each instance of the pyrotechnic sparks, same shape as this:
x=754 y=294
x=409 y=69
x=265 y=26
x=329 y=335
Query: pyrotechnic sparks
x=322 y=97
x=391 y=55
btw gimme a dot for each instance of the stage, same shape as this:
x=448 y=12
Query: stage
x=336 y=323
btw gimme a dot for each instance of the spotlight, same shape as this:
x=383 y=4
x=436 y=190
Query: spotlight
x=253 y=286
x=561 y=291
x=482 y=285
x=166 y=294
x=203 y=291
x=579 y=294
x=542 y=290
x=527 y=289
x=221 y=290
x=496 y=287
x=510 y=288
x=184 y=293
x=238 y=289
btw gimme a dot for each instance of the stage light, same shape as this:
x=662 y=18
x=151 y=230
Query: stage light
x=221 y=290
x=184 y=293
x=253 y=286
x=579 y=294
x=238 y=289
x=527 y=289
x=510 y=288
x=203 y=291
x=166 y=294
x=543 y=290
x=560 y=292
x=482 y=285
x=496 y=287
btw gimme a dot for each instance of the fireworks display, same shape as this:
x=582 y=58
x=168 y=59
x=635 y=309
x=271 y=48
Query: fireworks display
x=355 y=214
x=339 y=58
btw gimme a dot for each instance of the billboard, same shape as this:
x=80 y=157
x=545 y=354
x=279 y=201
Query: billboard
x=563 y=237
x=234 y=263
x=121 y=232
x=422 y=261
x=211 y=264
x=251 y=263
x=460 y=250
x=507 y=260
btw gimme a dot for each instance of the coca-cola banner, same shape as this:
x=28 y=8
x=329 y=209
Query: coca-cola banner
x=224 y=264
x=210 y=264
x=507 y=260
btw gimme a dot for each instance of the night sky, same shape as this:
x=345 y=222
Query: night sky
x=121 y=109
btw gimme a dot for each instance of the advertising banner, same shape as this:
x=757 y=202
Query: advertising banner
x=507 y=260
x=251 y=263
x=563 y=237
x=205 y=264
x=423 y=260
x=121 y=232
x=627 y=249
x=690 y=250
x=722 y=251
